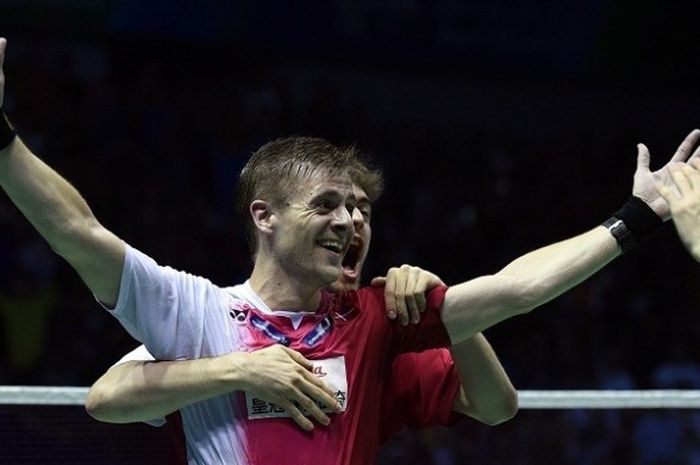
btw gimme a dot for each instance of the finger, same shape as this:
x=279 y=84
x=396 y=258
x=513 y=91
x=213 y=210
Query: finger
x=695 y=157
x=684 y=150
x=321 y=386
x=692 y=171
x=300 y=359
x=379 y=281
x=324 y=395
x=681 y=181
x=3 y=45
x=309 y=407
x=411 y=301
x=296 y=414
x=389 y=299
x=696 y=163
x=400 y=295
x=668 y=194
x=421 y=287
x=643 y=158
x=692 y=176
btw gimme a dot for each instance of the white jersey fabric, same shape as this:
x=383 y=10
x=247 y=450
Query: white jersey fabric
x=155 y=301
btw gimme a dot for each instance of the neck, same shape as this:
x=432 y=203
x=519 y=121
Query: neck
x=281 y=291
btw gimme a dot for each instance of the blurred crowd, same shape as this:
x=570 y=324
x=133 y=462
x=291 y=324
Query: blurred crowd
x=154 y=138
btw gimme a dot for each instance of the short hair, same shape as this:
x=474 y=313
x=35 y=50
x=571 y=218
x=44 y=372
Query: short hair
x=273 y=171
x=367 y=175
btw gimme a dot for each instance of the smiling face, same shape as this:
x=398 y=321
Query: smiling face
x=314 y=228
x=351 y=268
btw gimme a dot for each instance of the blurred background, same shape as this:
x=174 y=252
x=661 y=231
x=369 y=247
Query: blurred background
x=501 y=126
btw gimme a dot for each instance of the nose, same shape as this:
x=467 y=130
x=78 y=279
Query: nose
x=358 y=220
x=343 y=219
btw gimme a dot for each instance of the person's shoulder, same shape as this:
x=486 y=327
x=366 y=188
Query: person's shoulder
x=370 y=297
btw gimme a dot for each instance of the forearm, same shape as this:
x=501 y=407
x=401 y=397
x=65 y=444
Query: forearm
x=526 y=283
x=141 y=391
x=63 y=218
x=486 y=392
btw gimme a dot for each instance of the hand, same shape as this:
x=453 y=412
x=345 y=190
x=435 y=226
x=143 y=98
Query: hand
x=645 y=181
x=3 y=44
x=283 y=376
x=404 y=291
x=683 y=195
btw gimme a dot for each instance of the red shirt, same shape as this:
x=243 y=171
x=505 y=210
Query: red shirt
x=369 y=343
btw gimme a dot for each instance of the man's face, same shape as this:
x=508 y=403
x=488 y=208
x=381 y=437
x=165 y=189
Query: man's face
x=354 y=259
x=313 y=231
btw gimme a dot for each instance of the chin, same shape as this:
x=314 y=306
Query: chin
x=343 y=284
x=331 y=275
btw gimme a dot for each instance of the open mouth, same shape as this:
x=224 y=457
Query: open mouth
x=351 y=259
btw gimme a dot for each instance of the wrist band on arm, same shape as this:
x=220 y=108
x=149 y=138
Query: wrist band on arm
x=7 y=132
x=633 y=223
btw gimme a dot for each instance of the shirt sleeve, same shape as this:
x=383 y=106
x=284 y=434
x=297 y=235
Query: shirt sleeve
x=420 y=393
x=169 y=311
x=429 y=333
x=139 y=354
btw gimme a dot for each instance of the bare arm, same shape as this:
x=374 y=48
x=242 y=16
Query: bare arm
x=526 y=283
x=60 y=215
x=543 y=274
x=145 y=390
x=486 y=393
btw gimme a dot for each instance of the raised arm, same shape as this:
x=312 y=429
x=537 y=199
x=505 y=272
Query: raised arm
x=682 y=191
x=543 y=274
x=60 y=214
x=141 y=389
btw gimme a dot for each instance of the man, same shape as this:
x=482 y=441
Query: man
x=682 y=192
x=299 y=199
x=422 y=390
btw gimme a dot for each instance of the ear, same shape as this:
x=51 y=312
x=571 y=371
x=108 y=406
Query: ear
x=262 y=215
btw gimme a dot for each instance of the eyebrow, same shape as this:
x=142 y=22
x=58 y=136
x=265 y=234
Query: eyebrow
x=331 y=193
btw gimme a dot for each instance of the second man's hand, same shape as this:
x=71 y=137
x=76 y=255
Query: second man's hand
x=404 y=291
x=283 y=376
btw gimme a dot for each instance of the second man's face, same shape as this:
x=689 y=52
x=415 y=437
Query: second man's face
x=351 y=268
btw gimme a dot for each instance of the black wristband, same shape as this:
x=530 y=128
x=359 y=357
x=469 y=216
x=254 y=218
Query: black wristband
x=7 y=132
x=634 y=223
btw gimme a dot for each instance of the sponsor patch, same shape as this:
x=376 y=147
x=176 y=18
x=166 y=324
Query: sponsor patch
x=331 y=370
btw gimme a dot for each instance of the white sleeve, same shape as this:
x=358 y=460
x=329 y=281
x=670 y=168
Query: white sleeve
x=169 y=311
x=139 y=354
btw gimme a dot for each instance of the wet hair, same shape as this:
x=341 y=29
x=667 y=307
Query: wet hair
x=274 y=170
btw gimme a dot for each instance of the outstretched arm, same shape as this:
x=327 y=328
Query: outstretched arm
x=682 y=192
x=542 y=275
x=60 y=214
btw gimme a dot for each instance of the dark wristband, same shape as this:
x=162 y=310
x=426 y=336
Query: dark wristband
x=634 y=223
x=7 y=132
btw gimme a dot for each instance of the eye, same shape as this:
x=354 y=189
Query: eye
x=326 y=205
x=366 y=213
